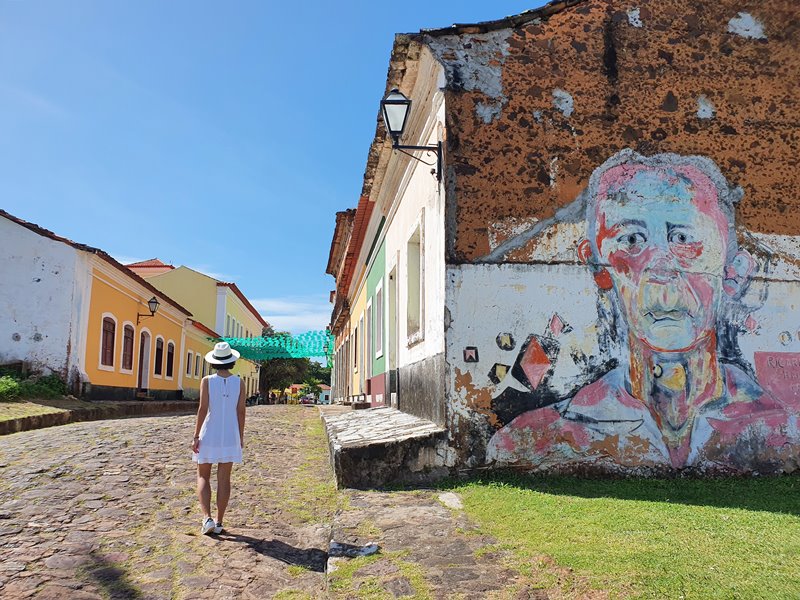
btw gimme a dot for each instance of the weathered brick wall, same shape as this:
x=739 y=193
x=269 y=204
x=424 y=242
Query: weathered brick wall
x=533 y=110
x=623 y=237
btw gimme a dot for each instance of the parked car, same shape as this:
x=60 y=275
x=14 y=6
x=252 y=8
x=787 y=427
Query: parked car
x=308 y=400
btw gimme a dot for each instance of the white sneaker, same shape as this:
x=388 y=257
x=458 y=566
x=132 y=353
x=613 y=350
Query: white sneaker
x=218 y=528
x=208 y=525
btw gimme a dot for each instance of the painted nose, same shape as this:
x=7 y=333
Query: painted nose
x=663 y=267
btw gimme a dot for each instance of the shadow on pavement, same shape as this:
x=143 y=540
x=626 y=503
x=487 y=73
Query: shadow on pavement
x=312 y=559
x=112 y=578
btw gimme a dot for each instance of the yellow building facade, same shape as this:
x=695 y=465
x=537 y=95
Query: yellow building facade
x=217 y=305
x=130 y=352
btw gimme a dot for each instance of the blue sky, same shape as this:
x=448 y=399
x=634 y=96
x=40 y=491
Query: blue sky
x=219 y=135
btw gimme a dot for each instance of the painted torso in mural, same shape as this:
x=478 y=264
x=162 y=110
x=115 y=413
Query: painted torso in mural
x=662 y=249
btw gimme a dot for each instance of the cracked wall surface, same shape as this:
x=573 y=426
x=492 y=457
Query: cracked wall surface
x=623 y=252
x=716 y=79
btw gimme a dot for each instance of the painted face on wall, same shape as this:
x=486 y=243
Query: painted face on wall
x=662 y=237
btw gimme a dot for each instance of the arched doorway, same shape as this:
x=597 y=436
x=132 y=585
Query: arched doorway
x=144 y=361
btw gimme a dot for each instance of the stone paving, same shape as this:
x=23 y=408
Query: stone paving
x=107 y=509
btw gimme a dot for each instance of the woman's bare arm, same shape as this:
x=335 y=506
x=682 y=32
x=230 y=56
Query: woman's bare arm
x=241 y=409
x=202 y=411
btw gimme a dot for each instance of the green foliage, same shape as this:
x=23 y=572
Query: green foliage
x=311 y=387
x=280 y=373
x=13 y=387
x=320 y=372
x=679 y=538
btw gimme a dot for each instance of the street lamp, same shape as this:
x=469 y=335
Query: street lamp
x=395 y=108
x=153 y=305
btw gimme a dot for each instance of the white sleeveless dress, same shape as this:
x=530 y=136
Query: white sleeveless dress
x=219 y=435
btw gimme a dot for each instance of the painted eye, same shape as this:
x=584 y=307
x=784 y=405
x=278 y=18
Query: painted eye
x=680 y=237
x=632 y=240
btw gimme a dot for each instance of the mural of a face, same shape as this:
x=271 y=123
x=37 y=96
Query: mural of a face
x=663 y=238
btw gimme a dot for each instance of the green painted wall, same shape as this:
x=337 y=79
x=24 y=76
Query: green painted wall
x=374 y=278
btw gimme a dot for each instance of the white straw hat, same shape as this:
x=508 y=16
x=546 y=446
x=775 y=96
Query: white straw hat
x=222 y=354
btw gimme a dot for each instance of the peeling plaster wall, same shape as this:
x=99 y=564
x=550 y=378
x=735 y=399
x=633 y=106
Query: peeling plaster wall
x=38 y=282
x=534 y=335
x=533 y=110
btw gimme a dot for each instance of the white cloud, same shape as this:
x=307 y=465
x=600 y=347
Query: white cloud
x=296 y=314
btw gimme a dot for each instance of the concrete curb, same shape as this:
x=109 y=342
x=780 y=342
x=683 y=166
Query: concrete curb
x=102 y=410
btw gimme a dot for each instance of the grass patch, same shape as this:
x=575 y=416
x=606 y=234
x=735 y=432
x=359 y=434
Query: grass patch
x=18 y=409
x=297 y=570
x=292 y=595
x=313 y=496
x=14 y=386
x=720 y=538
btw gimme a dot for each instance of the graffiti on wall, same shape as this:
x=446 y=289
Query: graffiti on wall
x=666 y=385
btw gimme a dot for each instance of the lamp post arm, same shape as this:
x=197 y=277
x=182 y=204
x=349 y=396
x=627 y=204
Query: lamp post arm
x=437 y=149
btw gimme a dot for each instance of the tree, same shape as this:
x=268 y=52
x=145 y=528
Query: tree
x=311 y=387
x=319 y=372
x=280 y=373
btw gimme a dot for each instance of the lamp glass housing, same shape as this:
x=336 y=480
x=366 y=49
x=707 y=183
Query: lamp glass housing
x=395 y=107
x=153 y=305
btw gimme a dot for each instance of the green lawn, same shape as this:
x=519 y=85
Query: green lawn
x=681 y=538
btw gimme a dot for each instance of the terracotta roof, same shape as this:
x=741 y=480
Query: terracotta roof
x=324 y=387
x=97 y=252
x=244 y=300
x=152 y=263
x=205 y=329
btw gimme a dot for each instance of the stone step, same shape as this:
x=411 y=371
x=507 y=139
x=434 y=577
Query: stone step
x=380 y=446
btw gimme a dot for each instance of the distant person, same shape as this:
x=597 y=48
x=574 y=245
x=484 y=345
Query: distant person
x=218 y=432
x=661 y=242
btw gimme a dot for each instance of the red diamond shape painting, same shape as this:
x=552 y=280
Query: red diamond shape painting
x=535 y=363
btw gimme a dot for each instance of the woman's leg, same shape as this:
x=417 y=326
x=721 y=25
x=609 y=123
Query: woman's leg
x=204 y=488
x=223 y=488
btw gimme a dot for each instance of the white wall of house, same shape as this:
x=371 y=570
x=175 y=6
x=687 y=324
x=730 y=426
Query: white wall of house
x=45 y=289
x=419 y=205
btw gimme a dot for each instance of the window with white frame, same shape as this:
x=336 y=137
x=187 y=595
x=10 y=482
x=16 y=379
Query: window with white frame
x=158 y=365
x=189 y=362
x=227 y=325
x=107 y=342
x=197 y=366
x=414 y=281
x=127 y=347
x=170 y=359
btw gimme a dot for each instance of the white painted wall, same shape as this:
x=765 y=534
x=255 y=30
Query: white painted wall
x=40 y=277
x=421 y=200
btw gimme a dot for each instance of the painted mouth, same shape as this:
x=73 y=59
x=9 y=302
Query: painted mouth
x=660 y=316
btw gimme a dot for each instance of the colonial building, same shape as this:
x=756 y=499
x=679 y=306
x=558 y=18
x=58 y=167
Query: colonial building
x=216 y=305
x=73 y=310
x=601 y=275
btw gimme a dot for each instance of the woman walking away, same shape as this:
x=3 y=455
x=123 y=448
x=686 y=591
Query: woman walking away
x=218 y=433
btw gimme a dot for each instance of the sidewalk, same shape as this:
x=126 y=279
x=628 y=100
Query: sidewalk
x=96 y=411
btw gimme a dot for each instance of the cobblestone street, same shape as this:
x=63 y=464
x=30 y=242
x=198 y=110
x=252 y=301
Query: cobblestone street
x=108 y=509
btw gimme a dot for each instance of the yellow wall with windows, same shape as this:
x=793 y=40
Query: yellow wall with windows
x=195 y=291
x=195 y=367
x=357 y=310
x=112 y=298
x=243 y=324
